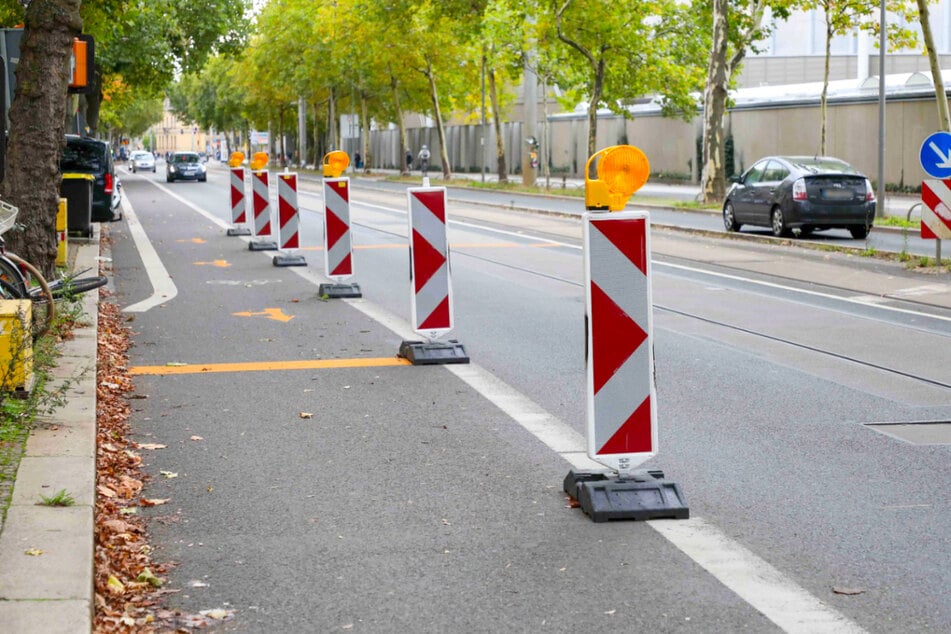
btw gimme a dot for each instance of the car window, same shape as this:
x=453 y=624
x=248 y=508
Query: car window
x=185 y=158
x=824 y=165
x=775 y=172
x=82 y=157
x=754 y=174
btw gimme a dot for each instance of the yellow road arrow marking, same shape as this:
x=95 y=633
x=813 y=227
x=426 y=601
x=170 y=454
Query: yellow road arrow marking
x=219 y=263
x=271 y=313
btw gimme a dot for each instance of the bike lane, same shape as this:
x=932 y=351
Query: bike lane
x=369 y=497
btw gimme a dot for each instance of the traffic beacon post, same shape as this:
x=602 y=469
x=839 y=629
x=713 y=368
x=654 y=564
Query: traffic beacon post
x=239 y=211
x=261 y=198
x=430 y=280
x=288 y=222
x=620 y=409
x=338 y=245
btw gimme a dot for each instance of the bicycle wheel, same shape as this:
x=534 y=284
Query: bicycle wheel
x=43 y=308
x=76 y=286
x=11 y=279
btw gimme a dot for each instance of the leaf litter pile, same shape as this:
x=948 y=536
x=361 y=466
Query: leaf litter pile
x=128 y=583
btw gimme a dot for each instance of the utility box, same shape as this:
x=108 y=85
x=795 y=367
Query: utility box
x=16 y=345
x=77 y=190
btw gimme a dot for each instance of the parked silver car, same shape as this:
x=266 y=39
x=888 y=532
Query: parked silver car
x=142 y=160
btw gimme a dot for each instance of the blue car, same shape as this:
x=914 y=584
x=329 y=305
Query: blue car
x=185 y=166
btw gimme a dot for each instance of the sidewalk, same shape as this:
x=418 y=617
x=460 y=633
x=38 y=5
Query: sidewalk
x=52 y=592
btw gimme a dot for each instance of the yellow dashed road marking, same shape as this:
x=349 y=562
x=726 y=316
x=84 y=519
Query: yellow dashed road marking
x=271 y=313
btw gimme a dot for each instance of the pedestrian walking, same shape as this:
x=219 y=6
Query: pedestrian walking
x=409 y=159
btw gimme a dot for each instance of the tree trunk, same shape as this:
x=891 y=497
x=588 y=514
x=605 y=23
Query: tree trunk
x=38 y=127
x=404 y=139
x=333 y=141
x=824 y=99
x=365 y=124
x=93 y=105
x=713 y=180
x=597 y=87
x=497 y=122
x=944 y=119
x=440 y=129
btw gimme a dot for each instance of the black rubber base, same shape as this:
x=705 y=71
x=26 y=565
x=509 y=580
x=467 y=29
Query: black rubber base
x=285 y=259
x=239 y=231
x=644 y=495
x=262 y=245
x=433 y=353
x=337 y=291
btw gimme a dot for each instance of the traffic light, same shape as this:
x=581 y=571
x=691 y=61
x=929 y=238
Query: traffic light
x=335 y=163
x=621 y=171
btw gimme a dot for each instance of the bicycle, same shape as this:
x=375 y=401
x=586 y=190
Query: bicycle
x=21 y=280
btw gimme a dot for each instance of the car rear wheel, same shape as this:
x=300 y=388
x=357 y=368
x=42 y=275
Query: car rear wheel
x=778 y=223
x=729 y=218
x=168 y=179
x=859 y=232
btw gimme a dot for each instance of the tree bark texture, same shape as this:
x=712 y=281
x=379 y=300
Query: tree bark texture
x=38 y=128
x=944 y=119
x=440 y=129
x=713 y=179
x=497 y=122
x=404 y=139
x=824 y=99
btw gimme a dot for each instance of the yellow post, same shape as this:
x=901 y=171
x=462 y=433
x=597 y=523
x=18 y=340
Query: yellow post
x=62 y=246
x=16 y=345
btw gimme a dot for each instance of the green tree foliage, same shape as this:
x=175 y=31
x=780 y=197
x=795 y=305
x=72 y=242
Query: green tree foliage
x=623 y=50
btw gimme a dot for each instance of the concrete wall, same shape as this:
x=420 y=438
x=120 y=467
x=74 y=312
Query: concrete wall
x=671 y=144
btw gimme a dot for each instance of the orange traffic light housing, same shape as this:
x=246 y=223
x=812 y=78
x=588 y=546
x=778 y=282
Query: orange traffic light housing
x=621 y=171
x=82 y=65
x=335 y=163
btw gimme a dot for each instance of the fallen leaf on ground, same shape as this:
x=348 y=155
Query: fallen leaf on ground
x=115 y=586
x=154 y=501
x=195 y=583
x=106 y=491
x=196 y=438
x=33 y=552
x=147 y=576
x=169 y=474
x=306 y=415
x=150 y=445
x=218 y=614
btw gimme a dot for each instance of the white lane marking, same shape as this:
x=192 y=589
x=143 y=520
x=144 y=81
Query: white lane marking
x=754 y=580
x=163 y=288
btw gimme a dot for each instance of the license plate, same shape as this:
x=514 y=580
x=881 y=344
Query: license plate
x=837 y=194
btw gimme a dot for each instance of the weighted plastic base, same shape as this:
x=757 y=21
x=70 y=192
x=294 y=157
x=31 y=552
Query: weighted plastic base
x=335 y=291
x=262 y=245
x=433 y=353
x=644 y=495
x=285 y=259
x=239 y=231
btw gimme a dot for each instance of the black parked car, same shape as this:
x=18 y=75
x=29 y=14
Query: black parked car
x=185 y=166
x=91 y=156
x=803 y=193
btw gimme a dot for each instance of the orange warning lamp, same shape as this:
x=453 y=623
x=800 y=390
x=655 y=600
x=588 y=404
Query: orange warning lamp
x=236 y=159
x=259 y=160
x=335 y=163
x=621 y=171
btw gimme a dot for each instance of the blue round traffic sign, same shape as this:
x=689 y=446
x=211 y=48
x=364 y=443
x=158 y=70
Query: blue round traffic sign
x=935 y=155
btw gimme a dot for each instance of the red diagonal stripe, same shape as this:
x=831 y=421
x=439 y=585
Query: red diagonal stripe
x=439 y=318
x=615 y=336
x=426 y=260
x=928 y=197
x=341 y=188
x=335 y=228
x=629 y=237
x=927 y=233
x=285 y=212
x=434 y=202
x=634 y=436
x=344 y=267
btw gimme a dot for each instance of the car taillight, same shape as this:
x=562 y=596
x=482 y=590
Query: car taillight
x=869 y=192
x=799 y=190
x=108 y=183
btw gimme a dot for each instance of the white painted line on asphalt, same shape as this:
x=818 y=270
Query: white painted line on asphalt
x=753 y=579
x=163 y=288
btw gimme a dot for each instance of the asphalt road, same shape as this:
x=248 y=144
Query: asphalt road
x=376 y=497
